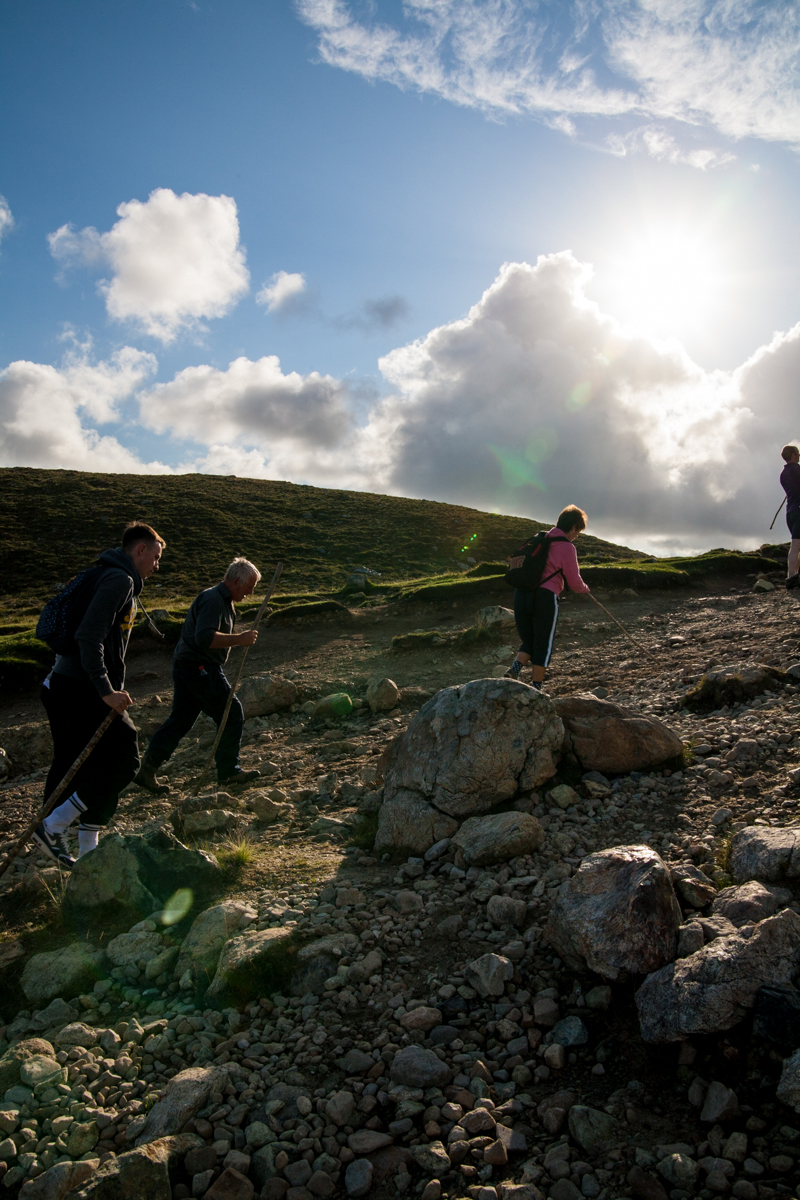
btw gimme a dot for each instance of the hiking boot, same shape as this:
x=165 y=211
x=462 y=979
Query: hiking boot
x=146 y=778
x=514 y=671
x=792 y=582
x=55 y=846
x=238 y=778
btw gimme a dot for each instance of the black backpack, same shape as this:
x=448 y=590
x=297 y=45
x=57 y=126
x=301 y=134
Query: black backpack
x=526 y=566
x=62 y=615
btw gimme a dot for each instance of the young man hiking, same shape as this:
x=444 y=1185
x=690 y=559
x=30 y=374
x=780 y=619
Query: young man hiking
x=83 y=686
x=536 y=612
x=200 y=683
x=790 y=482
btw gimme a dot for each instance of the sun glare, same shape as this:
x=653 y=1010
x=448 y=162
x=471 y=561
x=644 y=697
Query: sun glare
x=663 y=281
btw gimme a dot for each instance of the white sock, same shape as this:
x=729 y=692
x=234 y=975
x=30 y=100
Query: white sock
x=64 y=816
x=87 y=840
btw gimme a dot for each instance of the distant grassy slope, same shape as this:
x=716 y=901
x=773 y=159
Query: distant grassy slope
x=56 y=522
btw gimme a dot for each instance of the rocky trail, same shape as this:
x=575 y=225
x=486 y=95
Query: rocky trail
x=464 y=940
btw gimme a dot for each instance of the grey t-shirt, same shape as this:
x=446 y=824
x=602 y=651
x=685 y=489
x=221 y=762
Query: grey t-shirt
x=212 y=612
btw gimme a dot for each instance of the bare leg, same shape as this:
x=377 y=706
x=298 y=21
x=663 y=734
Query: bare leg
x=524 y=658
x=538 y=674
x=794 y=557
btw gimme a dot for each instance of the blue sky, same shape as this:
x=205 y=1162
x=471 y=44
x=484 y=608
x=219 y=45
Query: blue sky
x=637 y=163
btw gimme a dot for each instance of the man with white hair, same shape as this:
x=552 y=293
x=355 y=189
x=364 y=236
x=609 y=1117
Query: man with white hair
x=200 y=682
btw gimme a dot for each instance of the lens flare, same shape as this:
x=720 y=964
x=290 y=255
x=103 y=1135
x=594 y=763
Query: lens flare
x=177 y=906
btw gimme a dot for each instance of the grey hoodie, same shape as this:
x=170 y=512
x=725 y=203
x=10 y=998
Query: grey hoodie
x=102 y=635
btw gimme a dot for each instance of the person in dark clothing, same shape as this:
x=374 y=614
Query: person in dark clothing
x=790 y=482
x=200 y=683
x=80 y=690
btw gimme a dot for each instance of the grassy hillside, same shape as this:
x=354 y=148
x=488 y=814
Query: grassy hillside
x=56 y=522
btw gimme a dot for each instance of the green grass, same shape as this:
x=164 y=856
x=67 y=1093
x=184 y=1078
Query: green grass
x=364 y=831
x=63 y=519
x=23 y=660
x=236 y=853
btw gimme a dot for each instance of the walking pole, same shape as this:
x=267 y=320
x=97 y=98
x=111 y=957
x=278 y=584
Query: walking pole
x=235 y=683
x=59 y=792
x=629 y=636
x=778 y=513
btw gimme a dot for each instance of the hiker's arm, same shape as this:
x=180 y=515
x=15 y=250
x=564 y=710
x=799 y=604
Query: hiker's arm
x=248 y=637
x=572 y=574
x=108 y=600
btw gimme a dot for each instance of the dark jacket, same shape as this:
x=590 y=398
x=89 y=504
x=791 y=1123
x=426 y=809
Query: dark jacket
x=212 y=612
x=102 y=635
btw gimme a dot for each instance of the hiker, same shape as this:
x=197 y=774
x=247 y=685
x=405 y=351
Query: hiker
x=200 y=683
x=536 y=612
x=790 y=482
x=83 y=686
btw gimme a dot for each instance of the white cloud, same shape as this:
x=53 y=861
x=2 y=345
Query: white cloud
x=6 y=218
x=176 y=260
x=282 y=425
x=659 y=144
x=282 y=289
x=535 y=399
x=40 y=407
x=729 y=65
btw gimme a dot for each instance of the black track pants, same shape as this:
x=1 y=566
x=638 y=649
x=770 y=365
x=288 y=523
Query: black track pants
x=199 y=690
x=75 y=710
x=536 y=617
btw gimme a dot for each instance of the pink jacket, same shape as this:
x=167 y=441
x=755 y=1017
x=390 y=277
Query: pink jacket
x=563 y=557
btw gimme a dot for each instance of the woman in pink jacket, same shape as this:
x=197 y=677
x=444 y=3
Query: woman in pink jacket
x=536 y=613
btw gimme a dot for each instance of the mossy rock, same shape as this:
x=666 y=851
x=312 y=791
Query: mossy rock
x=731 y=685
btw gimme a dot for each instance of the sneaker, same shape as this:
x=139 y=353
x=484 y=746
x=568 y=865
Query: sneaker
x=238 y=778
x=146 y=778
x=55 y=845
x=792 y=582
x=514 y=671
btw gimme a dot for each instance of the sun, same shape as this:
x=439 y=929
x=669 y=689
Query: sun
x=664 y=281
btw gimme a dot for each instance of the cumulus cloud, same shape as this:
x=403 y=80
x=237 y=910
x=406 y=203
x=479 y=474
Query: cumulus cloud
x=286 y=425
x=537 y=399
x=41 y=410
x=282 y=291
x=729 y=65
x=6 y=218
x=175 y=260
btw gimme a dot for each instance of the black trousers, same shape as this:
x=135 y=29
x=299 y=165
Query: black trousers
x=536 y=617
x=199 y=689
x=74 y=710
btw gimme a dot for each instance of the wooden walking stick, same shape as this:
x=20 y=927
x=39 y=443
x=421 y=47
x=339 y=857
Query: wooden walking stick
x=235 y=684
x=778 y=513
x=59 y=792
x=629 y=636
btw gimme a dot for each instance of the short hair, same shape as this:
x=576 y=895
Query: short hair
x=571 y=517
x=138 y=532
x=241 y=569
x=788 y=452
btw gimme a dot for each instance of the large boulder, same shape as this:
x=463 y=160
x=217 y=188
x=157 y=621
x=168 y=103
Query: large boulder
x=769 y=855
x=711 y=990
x=184 y=1096
x=148 y=1171
x=28 y=747
x=467 y=750
x=11 y=1062
x=411 y=823
x=498 y=837
x=749 y=903
x=494 y=616
x=617 y=915
x=202 y=946
x=128 y=949
x=138 y=872
x=254 y=964
x=262 y=695
x=608 y=738
x=66 y=972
